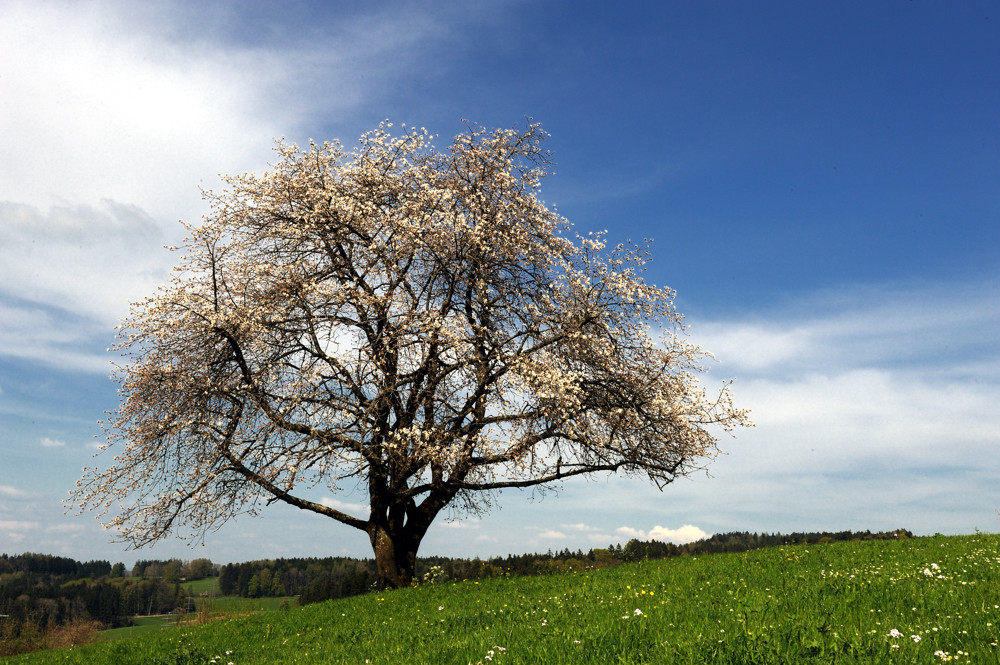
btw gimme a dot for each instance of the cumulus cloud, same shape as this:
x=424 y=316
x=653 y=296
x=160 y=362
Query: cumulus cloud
x=46 y=442
x=552 y=534
x=685 y=534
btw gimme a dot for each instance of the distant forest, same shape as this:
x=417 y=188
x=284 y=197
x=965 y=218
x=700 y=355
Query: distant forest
x=41 y=592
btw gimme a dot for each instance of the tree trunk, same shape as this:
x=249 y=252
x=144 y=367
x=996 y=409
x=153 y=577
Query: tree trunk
x=395 y=556
x=395 y=533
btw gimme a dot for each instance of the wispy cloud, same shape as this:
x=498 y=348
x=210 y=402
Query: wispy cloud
x=901 y=375
x=68 y=274
x=112 y=105
x=53 y=337
x=462 y=524
x=123 y=111
x=17 y=526
x=89 y=261
x=881 y=414
x=46 y=442
x=356 y=509
x=920 y=326
x=67 y=528
x=12 y=492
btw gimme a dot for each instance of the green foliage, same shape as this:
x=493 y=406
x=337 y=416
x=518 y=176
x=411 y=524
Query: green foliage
x=900 y=601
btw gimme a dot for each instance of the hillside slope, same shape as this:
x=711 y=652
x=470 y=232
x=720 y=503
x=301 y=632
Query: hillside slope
x=918 y=600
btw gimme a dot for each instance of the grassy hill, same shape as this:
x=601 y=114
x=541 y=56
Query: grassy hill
x=921 y=600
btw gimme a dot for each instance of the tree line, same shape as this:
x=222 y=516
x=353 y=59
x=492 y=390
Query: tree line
x=42 y=594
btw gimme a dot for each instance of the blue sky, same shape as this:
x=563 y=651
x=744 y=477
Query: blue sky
x=820 y=182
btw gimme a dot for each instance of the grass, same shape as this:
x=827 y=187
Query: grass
x=205 y=585
x=142 y=625
x=924 y=600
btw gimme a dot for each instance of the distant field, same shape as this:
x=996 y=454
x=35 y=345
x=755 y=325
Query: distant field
x=207 y=584
x=211 y=603
x=923 y=600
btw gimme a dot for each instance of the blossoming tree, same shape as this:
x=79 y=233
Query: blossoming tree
x=410 y=321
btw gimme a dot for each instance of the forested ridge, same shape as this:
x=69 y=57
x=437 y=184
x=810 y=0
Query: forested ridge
x=40 y=593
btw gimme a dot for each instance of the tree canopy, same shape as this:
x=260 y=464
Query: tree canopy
x=413 y=322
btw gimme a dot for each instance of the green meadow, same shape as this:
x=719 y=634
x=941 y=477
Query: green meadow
x=922 y=600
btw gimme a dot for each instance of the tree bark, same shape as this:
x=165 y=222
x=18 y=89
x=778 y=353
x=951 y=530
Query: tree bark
x=395 y=555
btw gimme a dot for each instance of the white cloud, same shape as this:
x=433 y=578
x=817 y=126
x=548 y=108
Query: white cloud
x=114 y=113
x=685 y=534
x=884 y=417
x=68 y=274
x=109 y=126
x=922 y=326
x=552 y=534
x=580 y=526
x=17 y=525
x=13 y=492
x=141 y=103
x=67 y=527
x=87 y=260
x=53 y=337
x=52 y=443
x=486 y=538
x=102 y=102
x=591 y=534
x=460 y=524
x=356 y=509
